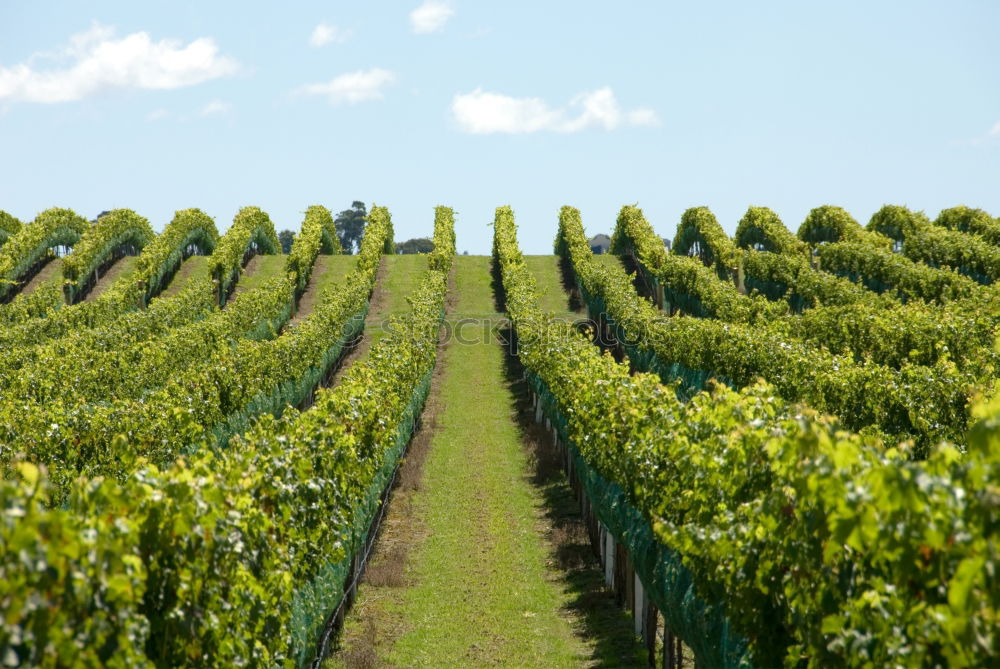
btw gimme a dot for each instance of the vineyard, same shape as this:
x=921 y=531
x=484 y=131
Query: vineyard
x=774 y=448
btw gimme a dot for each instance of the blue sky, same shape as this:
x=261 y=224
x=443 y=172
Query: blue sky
x=163 y=106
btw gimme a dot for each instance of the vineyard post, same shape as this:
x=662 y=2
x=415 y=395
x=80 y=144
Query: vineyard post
x=670 y=661
x=649 y=629
x=639 y=606
x=609 y=557
x=620 y=578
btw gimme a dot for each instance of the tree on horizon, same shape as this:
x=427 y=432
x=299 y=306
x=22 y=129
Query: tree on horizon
x=286 y=237
x=350 y=224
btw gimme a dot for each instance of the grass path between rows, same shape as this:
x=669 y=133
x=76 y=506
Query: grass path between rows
x=480 y=562
x=328 y=272
x=191 y=269
x=50 y=273
x=401 y=277
x=257 y=272
x=121 y=270
x=398 y=276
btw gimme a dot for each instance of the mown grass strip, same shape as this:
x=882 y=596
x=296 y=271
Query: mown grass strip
x=483 y=583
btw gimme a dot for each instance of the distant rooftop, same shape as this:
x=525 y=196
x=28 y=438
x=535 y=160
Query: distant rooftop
x=600 y=243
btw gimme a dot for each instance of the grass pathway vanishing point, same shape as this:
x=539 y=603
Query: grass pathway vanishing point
x=478 y=563
x=51 y=272
x=195 y=267
x=258 y=271
x=121 y=269
x=327 y=272
x=398 y=276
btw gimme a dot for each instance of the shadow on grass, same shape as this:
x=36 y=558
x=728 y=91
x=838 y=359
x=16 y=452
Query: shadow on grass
x=609 y=627
x=639 y=279
x=568 y=278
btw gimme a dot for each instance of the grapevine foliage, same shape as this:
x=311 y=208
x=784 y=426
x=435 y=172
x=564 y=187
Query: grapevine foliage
x=973 y=221
x=109 y=234
x=853 y=555
x=760 y=228
x=938 y=246
x=218 y=555
x=700 y=234
x=31 y=245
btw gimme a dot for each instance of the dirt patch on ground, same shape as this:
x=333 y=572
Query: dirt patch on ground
x=311 y=295
x=359 y=347
x=109 y=277
x=46 y=274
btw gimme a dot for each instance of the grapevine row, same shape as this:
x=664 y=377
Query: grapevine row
x=858 y=322
x=210 y=397
x=26 y=251
x=824 y=548
x=938 y=246
x=234 y=556
x=923 y=403
x=98 y=245
x=82 y=374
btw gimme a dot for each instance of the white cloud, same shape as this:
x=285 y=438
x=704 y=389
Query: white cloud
x=480 y=112
x=430 y=16
x=483 y=113
x=157 y=115
x=643 y=116
x=353 y=87
x=324 y=34
x=215 y=108
x=995 y=131
x=95 y=61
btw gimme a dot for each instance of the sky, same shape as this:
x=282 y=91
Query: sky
x=160 y=106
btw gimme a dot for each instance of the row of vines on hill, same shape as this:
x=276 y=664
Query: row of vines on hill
x=110 y=332
x=824 y=547
x=228 y=556
x=200 y=381
x=852 y=320
x=925 y=403
x=119 y=231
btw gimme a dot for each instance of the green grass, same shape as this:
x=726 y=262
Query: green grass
x=482 y=585
x=192 y=269
x=124 y=267
x=330 y=271
x=260 y=269
x=401 y=276
x=607 y=260
x=122 y=270
x=552 y=295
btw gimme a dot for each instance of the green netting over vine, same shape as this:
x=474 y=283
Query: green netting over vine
x=686 y=302
x=315 y=600
x=669 y=584
x=293 y=391
x=774 y=290
x=868 y=282
x=646 y=360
